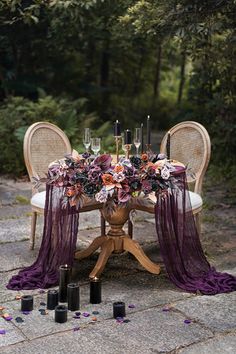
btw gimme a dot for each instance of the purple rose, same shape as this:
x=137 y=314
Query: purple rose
x=103 y=161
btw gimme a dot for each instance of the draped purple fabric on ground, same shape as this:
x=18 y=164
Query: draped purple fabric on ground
x=57 y=247
x=180 y=245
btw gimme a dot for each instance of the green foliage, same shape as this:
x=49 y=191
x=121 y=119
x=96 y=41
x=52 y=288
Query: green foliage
x=18 y=113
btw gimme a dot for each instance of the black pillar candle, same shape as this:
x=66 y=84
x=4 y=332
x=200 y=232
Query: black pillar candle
x=60 y=314
x=27 y=303
x=52 y=299
x=118 y=309
x=73 y=296
x=148 y=131
x=142 y=140
x=168 y=146
x=65 y=277
x=95 y=291
x=117 y=130
x=128 y=140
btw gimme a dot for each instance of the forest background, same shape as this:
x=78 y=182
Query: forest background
x=86 y=63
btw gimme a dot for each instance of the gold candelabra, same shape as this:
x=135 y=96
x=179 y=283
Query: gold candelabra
x=127 y=150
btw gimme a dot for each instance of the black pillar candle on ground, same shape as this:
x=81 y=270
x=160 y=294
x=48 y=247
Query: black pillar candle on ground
x=142 y=140
x=73 y=296
x=60 y=314
x=65 y=277
x=148 y=131
x=118 y=309
x=95 y=291
x=168 y=146
x=52 y=299
x=117 y=130
x=27 y=303
x=128 y=139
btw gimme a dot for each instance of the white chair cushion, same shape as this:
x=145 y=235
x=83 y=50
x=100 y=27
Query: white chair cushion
x=195 y=199
x=38 y=200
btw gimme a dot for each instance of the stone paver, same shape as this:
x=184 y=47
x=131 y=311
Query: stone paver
x=217 y=345
x=217 y=312
x=12 y=335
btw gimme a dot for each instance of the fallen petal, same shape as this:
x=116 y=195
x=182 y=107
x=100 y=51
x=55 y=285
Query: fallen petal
x=187 y=321
x=2 y=331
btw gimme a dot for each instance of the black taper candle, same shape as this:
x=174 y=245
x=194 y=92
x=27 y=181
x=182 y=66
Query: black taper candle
x=52 y=299
x=148 y=131
x=142 y=138
x=73 y=296
x=117 y=130
x=128 y=139
x=95 y=291
x=65 y=277
x=60 y=314
x=168 y=146
x=27 y=303
x=118 y=309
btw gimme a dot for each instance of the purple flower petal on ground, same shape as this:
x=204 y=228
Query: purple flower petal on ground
x=85 y=314
x=77 y=313
x=166 y=309
x=2 y=331
x=187 y=321
x=119 y=320
x=26 y=312
x=131 y=306
x=95 y=312
x=76 y=329
x=8 y=318
x=126 y=321
x=19 y=320
x=76 y=317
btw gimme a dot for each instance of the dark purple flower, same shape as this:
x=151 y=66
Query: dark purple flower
x=76 y=317
x=19 y=319
x=86 y=155
x=2 y=331
x=131 y=306
x=85 y=314
x=103 y=161
x=26 y=312
x=187 y=321
x=146 y=187
x=94 y=174
x=8 y=318
x=166 y=309
x=76 y=329
x=136 y=161
x=77 y=313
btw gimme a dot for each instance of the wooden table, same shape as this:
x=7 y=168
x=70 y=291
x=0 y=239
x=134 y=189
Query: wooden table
x=117 y=241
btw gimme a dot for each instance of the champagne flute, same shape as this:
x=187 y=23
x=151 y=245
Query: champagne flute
x=87 y=139
x=137 y=139
x=96 y=145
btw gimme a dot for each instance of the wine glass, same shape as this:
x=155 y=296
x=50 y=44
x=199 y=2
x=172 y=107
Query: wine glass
x=137 y=139
x=96 y=145
x=87 y=139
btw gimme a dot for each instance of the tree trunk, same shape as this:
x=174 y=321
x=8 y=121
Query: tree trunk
x=105 y=67
x=156 y=84
x=182 y=78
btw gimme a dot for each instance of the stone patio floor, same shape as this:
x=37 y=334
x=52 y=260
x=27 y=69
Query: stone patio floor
x=212 y=319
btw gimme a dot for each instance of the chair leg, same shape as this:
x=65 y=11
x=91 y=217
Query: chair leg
x=103 y=226
x=33 y=228
x=198 y=223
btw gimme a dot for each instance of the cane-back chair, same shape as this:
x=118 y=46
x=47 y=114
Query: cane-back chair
x=43 y=143
x=191 y=145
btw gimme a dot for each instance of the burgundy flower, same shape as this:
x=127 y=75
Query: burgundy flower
x=123 y=194
x=146 y=187
x=103 y=161
x=94 y=174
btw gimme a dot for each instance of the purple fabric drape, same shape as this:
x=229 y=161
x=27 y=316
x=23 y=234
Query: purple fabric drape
x=180 y=245
x=57 y=247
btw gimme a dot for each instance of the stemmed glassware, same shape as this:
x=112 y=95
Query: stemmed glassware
x=96 y=145
x=137 y=139
x=87 y=138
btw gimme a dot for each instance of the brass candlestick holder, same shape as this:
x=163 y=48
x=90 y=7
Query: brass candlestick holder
x=117 y=139
x=127 y=150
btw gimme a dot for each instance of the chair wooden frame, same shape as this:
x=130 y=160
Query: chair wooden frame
x=30 y=163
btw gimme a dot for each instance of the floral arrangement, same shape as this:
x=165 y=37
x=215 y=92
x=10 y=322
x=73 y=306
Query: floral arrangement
x=82 y=175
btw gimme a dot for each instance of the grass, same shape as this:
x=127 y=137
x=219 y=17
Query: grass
x=20 y=199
